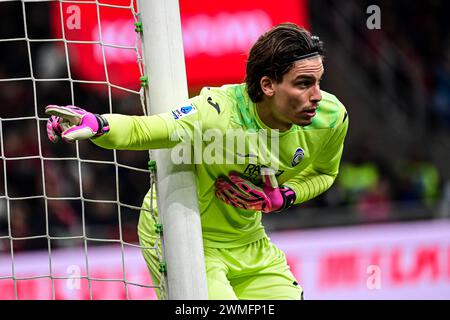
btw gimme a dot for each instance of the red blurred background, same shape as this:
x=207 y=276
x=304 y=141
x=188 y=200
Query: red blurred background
x=216 y=38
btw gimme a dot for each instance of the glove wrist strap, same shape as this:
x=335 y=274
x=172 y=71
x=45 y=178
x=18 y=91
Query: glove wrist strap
x=288 y=197
x=103 y=125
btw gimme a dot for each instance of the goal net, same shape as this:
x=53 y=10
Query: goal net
x=69 y=212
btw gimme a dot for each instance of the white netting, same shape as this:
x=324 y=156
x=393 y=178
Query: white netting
x=77 y=202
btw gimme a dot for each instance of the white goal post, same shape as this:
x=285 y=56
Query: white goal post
x=176 y=187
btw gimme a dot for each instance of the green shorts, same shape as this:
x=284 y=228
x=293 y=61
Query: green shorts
x=255 y=271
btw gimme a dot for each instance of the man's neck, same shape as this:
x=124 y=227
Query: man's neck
x=266 y=114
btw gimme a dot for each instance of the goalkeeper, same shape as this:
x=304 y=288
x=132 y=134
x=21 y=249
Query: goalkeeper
x=281 y=95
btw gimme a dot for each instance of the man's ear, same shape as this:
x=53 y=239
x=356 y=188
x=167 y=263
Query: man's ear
x=267 y=86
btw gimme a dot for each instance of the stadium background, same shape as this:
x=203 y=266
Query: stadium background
x=389 y=207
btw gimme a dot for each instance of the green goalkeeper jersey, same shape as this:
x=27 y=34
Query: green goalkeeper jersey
x=224 y=133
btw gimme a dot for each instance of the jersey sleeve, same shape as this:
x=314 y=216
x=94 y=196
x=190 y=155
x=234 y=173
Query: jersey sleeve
x=135 y=133
x=165 y=130
x=322 y=172
x=210 y=110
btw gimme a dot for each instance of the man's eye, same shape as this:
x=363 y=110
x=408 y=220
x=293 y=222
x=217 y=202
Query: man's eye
x=303 y=83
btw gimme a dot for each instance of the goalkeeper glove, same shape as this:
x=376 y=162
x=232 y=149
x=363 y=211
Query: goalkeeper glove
x=243 y=194
x=72 y=123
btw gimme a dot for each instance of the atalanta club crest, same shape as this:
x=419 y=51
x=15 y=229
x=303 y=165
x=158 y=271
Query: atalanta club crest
x=298 y=157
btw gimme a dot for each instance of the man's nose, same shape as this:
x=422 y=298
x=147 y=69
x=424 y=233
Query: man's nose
x=316 y=95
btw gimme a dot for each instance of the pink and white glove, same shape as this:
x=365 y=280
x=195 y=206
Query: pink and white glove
x=242 y=193
x=72 y=123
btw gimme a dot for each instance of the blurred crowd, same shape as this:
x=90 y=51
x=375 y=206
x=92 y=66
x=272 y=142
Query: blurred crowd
x=95 y=200
x=406 y=64
x=394 y=165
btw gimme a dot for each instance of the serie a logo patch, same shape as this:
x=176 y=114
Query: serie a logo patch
x=179 y=113
x=298 y=157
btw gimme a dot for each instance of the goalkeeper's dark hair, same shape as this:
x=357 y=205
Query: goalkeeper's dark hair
x=275 y=53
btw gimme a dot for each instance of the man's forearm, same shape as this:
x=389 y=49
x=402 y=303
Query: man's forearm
x=135 y=133
x=309 y=184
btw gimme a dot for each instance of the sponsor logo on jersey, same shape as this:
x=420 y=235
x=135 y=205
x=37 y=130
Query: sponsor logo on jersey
x=298 y=157
x=253 y=173
x=183 y=111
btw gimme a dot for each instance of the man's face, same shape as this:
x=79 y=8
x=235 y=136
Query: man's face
x=296 y=97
